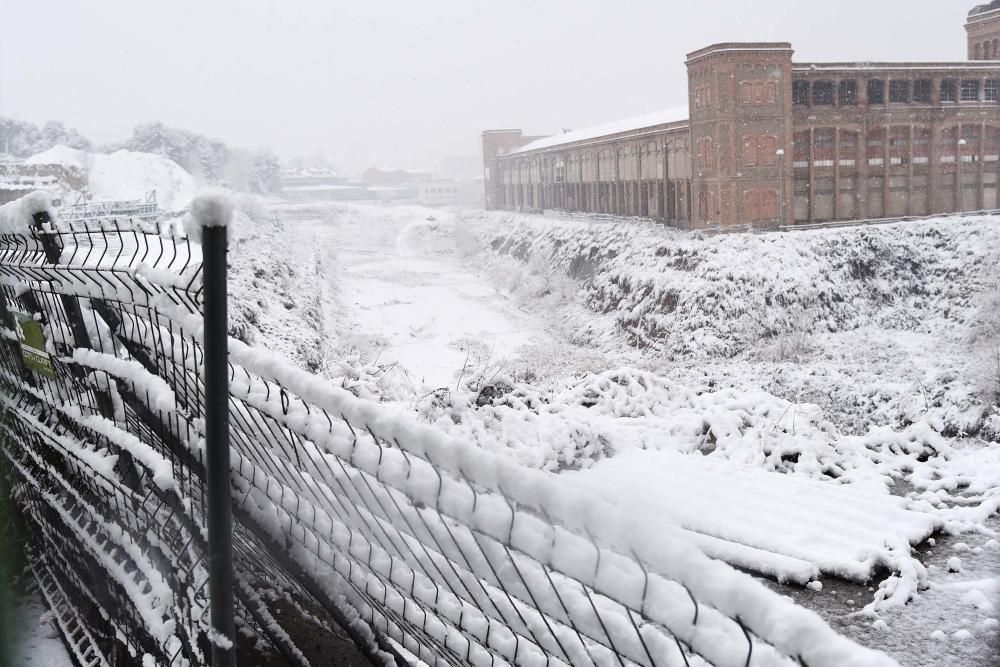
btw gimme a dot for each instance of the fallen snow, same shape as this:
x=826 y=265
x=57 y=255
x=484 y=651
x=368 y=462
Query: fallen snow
x=126 y=175
x=209 y=209
x=423 y=311
x=36 y=639
x=795 y=528
x=16 y=217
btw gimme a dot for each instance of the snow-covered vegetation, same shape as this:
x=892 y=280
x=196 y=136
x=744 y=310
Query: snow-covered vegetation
x=894 y=324
x=209 y=161
x=835 y=386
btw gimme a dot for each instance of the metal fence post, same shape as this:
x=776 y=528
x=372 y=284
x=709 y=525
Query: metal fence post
x=217 y=467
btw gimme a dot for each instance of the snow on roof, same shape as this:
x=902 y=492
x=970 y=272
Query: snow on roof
x=300 y=172
x=59 y=154
x=824 y=67
x=393 y=170
x=983 y=9
x=662 y=117
x=304 y=188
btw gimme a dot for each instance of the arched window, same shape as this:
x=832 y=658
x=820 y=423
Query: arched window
x=768 y=149
x=703 y=205
x=949 y=144
x=750 y=151
x=771 y=94
x=875 y=146
x=823 y=146
x=996 y=49
x=751 y=205
x=746 y=93
x=848 y=147
x=769 y=205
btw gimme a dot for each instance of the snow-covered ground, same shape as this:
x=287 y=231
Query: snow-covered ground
x=37 y=642
x=397 y=304
x=810 y=407
x=425 y=312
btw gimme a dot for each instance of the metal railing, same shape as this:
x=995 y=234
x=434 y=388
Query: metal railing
x=145 y=209
x=347 y=516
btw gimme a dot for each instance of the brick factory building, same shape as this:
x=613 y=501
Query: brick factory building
x=766 y=141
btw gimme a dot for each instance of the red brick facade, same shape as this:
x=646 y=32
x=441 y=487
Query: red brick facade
x=769 y=141
x=983 y=28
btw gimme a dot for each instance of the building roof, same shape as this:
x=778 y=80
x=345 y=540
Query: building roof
x=309 y=172
x=982 y=9
x=724 y=47
x=649 y=120
x=398 y=170
x=830 y=67
x=320 y=187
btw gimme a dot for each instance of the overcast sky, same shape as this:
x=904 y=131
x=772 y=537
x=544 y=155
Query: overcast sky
x=407 y=82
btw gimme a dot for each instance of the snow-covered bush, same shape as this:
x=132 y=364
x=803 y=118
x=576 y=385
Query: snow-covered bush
x=903 y=299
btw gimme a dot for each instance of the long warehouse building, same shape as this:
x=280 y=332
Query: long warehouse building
x=765 y=141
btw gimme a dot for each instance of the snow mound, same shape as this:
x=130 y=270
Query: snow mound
x=787 y=526
x=62 y=155
x=126 y=175
x=16 y=217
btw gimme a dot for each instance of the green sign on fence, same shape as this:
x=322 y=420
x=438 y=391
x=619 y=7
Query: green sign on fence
x=29 y=332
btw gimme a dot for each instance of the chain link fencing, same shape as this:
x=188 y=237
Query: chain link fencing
x=350 y=518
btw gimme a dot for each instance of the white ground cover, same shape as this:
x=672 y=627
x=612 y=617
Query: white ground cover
x=126 y=175
x=788 y=526
x=423 y=309
x=808 y=414
x=37 y=642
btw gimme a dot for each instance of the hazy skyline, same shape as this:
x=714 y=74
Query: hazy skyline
x=404 y=83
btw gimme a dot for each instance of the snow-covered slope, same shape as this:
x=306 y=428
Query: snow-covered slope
x=127 y=175
x=888 y=324
x=694 y=296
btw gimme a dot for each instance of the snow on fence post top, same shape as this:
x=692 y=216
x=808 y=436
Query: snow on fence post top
x=17 y=217
x=211 y=209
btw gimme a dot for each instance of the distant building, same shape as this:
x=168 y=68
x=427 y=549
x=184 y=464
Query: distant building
x=395 y=177
x=18 y=178
x=764 y=140
x=450 y=192
x=319 y=184
x=394 y=194
x=321 y=192
x=297 y=176
x=15 y=187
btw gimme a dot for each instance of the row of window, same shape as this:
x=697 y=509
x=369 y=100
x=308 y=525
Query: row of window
x=821 y=147
x=760 y=204
x=760 y=150
x=702 y=97
x=703 y=152
x=900 y=144
x=987 y=50
x=900 y=91
x=758 y=92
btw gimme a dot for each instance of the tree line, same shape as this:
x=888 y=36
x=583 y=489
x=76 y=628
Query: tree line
x=208 y=160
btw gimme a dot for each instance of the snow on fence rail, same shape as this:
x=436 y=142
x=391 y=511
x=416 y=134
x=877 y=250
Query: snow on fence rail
x=347 y=513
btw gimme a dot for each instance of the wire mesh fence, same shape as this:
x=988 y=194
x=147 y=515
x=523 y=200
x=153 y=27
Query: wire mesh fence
x=350 y=518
